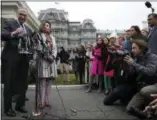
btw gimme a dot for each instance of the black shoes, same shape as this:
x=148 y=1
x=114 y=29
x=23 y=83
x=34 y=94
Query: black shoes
x=10 y=113
x=21 y=109
x=26 y=99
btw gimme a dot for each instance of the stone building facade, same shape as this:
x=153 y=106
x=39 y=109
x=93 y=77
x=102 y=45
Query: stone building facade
x=68 y=34
x=107 y=33
x=9 y=11
x=144 y=24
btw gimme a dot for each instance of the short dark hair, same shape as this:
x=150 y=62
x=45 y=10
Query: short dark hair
x=42 y=25
x=153 y=14
x=141 y=43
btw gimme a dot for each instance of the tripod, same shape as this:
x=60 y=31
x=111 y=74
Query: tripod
x=40 y=113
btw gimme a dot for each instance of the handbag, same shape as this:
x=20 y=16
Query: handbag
x=111 y=72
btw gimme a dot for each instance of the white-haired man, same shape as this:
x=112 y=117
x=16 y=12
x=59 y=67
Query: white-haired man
x=14 y=65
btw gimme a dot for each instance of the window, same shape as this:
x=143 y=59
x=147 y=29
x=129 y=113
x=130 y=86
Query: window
x=40 y=16
x=74 y=28
x=62 y=17
x=56 y=16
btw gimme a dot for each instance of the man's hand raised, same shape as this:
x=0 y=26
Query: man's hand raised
x=17 y=31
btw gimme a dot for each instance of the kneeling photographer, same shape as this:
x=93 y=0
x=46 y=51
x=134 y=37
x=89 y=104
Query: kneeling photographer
x=150 y=111
x=145 y=67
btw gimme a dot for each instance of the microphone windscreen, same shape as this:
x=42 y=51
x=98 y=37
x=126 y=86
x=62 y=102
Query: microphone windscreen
x=148 y=4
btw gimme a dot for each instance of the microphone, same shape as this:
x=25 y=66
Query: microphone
x=148 y=4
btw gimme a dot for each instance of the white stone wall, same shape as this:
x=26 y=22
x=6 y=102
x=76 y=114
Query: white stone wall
x=9 y=10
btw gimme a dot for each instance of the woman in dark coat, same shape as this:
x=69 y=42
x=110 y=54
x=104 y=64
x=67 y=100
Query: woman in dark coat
x=81 y=59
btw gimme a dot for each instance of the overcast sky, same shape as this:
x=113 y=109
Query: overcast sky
x=105 y=15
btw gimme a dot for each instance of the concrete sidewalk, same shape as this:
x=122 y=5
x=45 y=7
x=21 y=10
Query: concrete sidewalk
x=78 y=105
x=60 y=86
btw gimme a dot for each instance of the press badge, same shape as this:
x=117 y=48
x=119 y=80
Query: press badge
x=122 y=72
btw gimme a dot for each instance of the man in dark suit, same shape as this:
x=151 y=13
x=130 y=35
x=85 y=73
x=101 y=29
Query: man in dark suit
x=152 y=36
x=14 y=65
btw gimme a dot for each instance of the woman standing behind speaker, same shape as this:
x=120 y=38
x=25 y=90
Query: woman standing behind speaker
x=46 y=65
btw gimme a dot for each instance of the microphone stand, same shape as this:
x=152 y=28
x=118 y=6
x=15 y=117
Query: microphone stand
x=36 y=112
x=41 y=115
x=152 y=10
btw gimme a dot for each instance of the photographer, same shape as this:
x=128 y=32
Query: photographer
x=14 y=65
x=145 y=64
x=151 y=109
x=146 y=69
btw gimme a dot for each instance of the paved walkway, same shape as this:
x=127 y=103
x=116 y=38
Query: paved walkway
x=78 y=105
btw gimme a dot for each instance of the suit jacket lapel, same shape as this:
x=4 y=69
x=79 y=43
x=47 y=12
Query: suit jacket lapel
x=15 y=24
x=154 y=29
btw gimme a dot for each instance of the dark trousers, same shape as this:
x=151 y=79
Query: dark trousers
x=81 y=76
x=81 y=70
x=15 y=73
x=123 y=93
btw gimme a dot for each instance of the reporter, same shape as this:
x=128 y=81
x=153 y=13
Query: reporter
x=136 y=34
x=145 y=67
x=64 y=64
x=81 y=58
x=97 y=65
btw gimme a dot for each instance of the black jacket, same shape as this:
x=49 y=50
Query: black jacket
x=10 y=50
x=64 y=56
x=145 y=68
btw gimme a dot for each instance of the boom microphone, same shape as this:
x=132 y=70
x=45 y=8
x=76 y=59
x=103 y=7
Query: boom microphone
x=148 y=4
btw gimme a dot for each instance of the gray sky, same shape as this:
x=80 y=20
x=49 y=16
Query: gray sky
x=106 y=15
